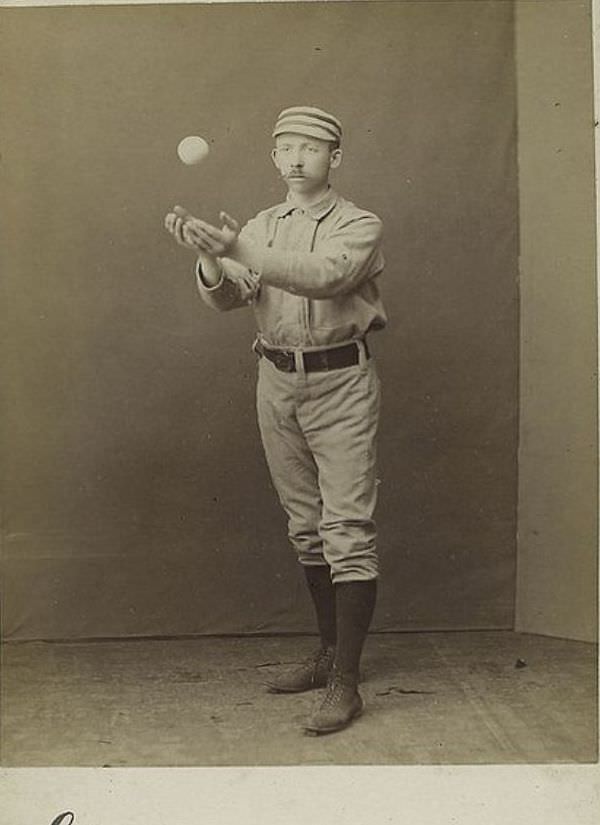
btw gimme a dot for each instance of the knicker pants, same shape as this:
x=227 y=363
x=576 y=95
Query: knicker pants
x=319 y=435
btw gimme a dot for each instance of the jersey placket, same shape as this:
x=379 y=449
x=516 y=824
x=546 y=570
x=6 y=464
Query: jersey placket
x=300 y=240
x=305 y=243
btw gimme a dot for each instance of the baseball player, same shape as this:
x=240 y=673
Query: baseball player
x=309 y=268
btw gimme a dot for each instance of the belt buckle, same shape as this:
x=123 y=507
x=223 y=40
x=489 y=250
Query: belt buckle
x=283 y=360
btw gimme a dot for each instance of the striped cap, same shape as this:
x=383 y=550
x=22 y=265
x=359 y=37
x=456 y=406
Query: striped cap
x=308 y=120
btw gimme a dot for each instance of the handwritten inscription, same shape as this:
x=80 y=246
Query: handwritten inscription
x=66 y=818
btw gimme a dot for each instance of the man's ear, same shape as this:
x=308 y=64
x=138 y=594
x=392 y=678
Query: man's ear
x=274 y=157
x=335 y=158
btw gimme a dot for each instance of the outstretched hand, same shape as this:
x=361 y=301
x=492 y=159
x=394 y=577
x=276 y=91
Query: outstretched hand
x=175 y=223
x=197 y=234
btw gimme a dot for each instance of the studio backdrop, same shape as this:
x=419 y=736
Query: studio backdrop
x=136 y=496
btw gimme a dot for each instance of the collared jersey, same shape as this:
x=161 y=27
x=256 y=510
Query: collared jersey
x=313 y=276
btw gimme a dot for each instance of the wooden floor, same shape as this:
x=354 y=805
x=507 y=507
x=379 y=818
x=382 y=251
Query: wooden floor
x=431 y=698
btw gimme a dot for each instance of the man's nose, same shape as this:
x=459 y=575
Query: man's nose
x=297 y=158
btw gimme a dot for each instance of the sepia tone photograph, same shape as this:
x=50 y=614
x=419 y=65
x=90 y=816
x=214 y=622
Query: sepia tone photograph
x=300 y=385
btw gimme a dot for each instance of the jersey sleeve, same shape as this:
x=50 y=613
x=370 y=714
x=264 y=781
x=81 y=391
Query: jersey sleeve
x=238 y=285
x=350 y=255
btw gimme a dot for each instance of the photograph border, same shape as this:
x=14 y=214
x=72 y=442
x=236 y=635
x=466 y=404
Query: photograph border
x=420 y=795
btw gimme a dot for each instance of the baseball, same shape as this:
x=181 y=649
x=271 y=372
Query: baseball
x=192 y=150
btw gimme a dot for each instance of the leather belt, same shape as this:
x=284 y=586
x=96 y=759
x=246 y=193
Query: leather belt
x=320 y=360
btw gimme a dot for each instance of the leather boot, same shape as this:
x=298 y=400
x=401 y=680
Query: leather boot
x=341 y=704
x=355 y=601
x=312 y=673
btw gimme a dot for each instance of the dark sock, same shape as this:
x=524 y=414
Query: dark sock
x=322 y=592
x=355 y=602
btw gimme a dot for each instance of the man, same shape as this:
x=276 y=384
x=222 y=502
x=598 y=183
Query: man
x=308 y=267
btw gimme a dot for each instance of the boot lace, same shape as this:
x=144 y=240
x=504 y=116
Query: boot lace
x=323 y=656
x=337 y=687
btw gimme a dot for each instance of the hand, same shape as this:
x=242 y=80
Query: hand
x=203 y=237
x=175 y=224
